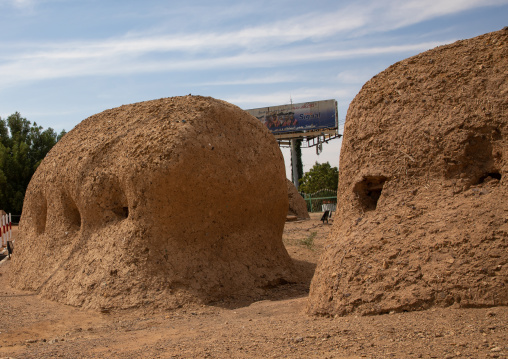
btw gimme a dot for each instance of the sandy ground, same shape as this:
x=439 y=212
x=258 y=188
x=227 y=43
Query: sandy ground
x=274 y=325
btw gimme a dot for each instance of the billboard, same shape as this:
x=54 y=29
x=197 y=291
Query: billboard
x=298 y=117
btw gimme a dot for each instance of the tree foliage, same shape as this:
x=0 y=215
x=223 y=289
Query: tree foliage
x=320 y=176
x=22 y=148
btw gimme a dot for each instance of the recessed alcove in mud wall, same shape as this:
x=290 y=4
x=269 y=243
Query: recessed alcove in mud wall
x=422 y=198
x=477 y=159
x=163 y=205
x=368 y=191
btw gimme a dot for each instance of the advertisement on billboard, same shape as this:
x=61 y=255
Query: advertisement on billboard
x=298 y=117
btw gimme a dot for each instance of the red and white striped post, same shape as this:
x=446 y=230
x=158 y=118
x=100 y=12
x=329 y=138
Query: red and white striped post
x=6 y=229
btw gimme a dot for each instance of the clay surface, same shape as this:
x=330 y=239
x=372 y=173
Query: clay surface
x=157 y=203
x=422 y=215
x=297 y=205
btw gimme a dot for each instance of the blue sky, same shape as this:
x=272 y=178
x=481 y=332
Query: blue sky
x=64 y=60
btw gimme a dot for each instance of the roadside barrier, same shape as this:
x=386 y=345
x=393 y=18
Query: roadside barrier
x=6 y=230
x=321 y=201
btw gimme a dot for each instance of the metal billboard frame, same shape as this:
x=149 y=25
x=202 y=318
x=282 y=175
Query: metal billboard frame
x=310 y=138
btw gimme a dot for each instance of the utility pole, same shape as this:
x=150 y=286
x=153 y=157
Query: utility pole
x=294 y=156
x=294 y=163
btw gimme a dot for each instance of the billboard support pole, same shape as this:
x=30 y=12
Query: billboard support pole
x=294 y=162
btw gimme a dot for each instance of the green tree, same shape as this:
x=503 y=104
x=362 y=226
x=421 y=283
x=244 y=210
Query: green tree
x=22 y=148
x=60 y=135
x=320 y=176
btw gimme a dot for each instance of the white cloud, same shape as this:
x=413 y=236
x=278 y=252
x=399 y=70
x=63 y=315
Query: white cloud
x=263 y=80
x=21 y=5
x=366 y=17
x=395 y=14
x=279 y=43
x=28 y=4
x=354 y=76
x=16 y=3
x=132 y=59
x=302 y=94
x=431 y=9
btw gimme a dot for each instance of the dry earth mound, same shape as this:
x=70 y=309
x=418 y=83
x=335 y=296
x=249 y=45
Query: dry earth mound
x=159 y=202
x=297 y=205
x=423 y=198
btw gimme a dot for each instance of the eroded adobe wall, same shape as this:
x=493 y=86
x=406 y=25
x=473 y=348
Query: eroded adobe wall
x=156 y=203
x=297 y=205
x=422 y=200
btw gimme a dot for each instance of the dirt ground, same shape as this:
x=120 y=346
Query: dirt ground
x=272 y=326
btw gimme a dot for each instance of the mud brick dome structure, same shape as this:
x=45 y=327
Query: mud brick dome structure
x=157 y=203
x=297 y=205
x=422 y=216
